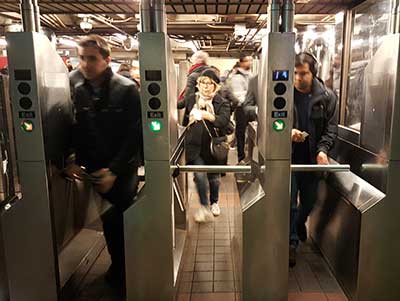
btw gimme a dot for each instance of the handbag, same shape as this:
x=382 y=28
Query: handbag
x=219 y=147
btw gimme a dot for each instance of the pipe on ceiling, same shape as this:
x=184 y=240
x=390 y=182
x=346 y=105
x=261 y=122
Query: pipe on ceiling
x=104 y=21
x=152 y=16
x=27 y=14
x=36 y=14
x=274 y=13
x=288 y=9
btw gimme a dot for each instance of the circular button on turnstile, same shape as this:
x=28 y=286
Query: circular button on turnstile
x=279 y=103
x=24 y=88
x=154 y=88
x=280 y=89
x=154 y=103
x=25 y=103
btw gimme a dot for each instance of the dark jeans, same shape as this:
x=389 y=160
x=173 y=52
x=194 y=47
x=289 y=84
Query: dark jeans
x=200 y=179
x=121 y=196
x=305 y=186
x=240 y=132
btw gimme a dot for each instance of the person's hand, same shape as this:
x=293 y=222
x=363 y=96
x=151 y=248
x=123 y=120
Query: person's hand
x=297 y=136
x=73 y=171
x=322 y=159
x=197 y=114
x=105 y=180
x=207 y=116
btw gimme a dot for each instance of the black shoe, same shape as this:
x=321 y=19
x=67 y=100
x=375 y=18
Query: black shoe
x=292 y=256
x=302 y=232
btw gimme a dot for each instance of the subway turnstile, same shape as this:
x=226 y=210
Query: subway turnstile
x=47 y=245
x=260 y=242
x=153 y=242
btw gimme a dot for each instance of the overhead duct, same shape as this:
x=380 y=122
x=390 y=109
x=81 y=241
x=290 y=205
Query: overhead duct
x=152 y=16
x=28 y=17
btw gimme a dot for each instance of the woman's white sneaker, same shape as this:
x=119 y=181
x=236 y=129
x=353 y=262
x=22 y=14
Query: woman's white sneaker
x=199 y=215
x=203 y=215
x=216 y=211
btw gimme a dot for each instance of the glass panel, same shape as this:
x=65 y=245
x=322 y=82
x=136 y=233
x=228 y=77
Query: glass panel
x=320 y=40
x=337 y=57
x=371 y=24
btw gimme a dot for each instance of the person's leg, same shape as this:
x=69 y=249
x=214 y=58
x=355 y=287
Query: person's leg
x=121 y=196
x=214 y=182
x=240 y=132
x=294 y=211
x=200 y=179
x=308 y=196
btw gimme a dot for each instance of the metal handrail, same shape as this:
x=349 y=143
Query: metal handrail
x=373 y=167
x=248 y=169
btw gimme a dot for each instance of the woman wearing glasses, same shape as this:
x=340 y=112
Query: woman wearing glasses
x=209 y=117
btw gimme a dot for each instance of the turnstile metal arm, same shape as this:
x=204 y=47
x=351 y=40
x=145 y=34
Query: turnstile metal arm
x=248 y=169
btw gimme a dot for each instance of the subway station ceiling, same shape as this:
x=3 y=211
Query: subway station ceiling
x=212 y=25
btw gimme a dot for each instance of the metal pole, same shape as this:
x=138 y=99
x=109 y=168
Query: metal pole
x=152 y=16
x=288 y=11
x=274 y=14
x=248 y=169
x=36 y=15
x=319 y=168
x=397 y=17
x=27 y=13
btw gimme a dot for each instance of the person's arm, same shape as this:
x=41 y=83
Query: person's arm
x=133 y=141
x=330 y=131
x=222 y=118
x=190 y=92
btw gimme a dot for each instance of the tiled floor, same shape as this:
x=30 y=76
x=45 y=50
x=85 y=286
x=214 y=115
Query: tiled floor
x=207 y=272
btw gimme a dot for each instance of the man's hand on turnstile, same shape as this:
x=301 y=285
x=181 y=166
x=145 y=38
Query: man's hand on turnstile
x=73 y=171
x=322 y=159
x=104 y=180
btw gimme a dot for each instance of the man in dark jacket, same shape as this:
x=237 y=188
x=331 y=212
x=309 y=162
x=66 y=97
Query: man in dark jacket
x=240 y=83
x=107 y=140
x=250 y=104
x=313 y=135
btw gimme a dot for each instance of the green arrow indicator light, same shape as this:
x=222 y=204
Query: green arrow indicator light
x=27 y=126
x=278 y=125
x=155 y=126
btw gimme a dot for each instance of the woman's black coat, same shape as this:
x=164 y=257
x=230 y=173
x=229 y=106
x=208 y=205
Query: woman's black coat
x=197 y=140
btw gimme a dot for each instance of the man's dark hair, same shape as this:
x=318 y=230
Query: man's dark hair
x=98 y=42
x=307 y=58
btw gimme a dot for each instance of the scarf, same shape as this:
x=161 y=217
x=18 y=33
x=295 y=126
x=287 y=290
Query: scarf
x=202 y=103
